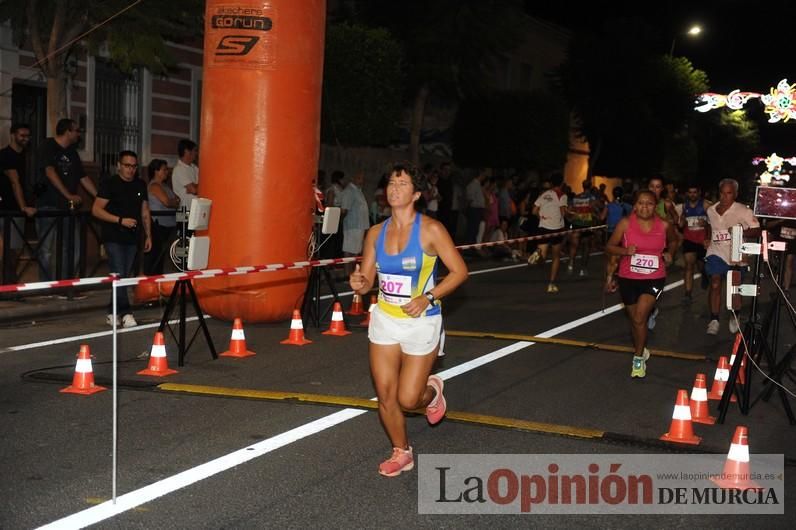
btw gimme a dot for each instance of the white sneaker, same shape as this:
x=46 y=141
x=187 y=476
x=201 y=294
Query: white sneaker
x=713 y=327
x=534 y=258
x=733 y=325
x=128 y=321
x=109 y=320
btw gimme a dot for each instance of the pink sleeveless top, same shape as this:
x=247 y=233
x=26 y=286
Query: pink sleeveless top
x=647 y=263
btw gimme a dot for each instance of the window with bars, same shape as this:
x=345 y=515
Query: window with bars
x=118 y=99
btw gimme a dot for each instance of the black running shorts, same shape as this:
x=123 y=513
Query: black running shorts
x=630 y=289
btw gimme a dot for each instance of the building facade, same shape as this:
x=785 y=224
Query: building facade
x=140 y=111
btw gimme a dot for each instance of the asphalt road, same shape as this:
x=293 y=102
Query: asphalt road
x=197 y=461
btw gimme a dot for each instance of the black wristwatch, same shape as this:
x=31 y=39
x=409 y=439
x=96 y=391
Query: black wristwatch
x=430 y=298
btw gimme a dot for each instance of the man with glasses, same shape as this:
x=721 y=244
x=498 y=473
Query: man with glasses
x=12 y=197
x=122 y=206
x=60 y=172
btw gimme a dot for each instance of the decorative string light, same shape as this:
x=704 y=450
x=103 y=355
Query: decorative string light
x=773 y=170
x=780 y=102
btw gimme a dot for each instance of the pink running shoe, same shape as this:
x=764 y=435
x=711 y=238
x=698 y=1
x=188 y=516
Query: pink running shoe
x=435 y=410
x=400 y=461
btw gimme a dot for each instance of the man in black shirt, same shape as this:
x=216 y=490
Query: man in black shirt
x=12 y=198
x=122 y=204
x=60 y=171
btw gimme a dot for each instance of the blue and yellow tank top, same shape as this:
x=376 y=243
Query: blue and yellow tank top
x=405 y=275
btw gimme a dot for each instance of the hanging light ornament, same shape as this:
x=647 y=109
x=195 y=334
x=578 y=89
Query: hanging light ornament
x=773 y=170
x=780 y=102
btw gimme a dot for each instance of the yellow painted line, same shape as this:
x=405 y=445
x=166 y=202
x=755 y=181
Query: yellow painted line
x=271 y=395
x=576 y=343
x=523 y=425
x=323 y=399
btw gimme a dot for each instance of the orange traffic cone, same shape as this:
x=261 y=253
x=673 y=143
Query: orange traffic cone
x=237 y=343
x=83 y=380
x=736 y=473
x=158 y=363
x=296 y=336
x=742 y=371
x=356 y=306
x=681 y=430
x=374 y=300
x=337 y=326
x=699 y=402
x=720 y=380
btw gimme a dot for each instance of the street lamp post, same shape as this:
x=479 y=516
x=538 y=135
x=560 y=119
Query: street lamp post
x=693 y=31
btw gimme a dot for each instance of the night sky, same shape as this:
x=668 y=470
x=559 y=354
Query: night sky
x=745 y=45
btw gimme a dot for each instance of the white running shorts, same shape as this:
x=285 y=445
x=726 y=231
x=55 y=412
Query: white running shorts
x=417 y=336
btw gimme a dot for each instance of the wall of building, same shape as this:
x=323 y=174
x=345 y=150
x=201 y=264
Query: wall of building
x=169 y=104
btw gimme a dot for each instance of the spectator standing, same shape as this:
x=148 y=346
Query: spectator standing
x=432 y=195
x=356 y=221
x=506 y=206
x=491 y=217
x=333 y=246
x=12 y=197
x=161 y=199
x=185 y=177
x=380 y=208
x=445 y=188
x=476 y=203
x=122 y=206
x=60 y=172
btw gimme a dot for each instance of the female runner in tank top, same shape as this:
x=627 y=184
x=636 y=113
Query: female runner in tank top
x=405 y=326
x=640 y=240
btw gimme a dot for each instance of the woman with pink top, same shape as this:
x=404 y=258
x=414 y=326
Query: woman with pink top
x=640 y=240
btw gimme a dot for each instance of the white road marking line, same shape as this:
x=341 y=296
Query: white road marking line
x=148 y=493
x=96 y=335
x=151 y=492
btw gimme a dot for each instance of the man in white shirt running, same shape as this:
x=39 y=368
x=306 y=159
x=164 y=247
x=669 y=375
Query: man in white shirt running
x=550 y=206
x=722 y=216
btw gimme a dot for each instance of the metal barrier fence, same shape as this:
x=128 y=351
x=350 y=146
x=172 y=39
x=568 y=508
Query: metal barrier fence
x=67 y=244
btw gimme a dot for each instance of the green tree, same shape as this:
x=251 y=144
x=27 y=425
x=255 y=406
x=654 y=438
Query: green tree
x=449 y=46
x=725 y=143
x=512 y=130
x=362 y=86
x=57 y=29
x=628 y=102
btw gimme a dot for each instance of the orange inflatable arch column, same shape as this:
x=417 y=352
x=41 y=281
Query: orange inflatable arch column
x=258 y=151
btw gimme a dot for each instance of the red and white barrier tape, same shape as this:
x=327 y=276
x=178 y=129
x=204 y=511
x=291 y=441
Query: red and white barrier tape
x=207 y=273
x=530 y=238
x=234 y=271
